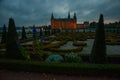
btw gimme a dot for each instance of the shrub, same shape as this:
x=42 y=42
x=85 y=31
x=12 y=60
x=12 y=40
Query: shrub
x=25 y=53
x=72 y=57
x=54 y=58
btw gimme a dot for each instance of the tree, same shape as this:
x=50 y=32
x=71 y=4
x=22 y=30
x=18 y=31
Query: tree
x=23 y=33
x=34 y=33
x=46 y=30
x=72 y=57
x=36 y=45
x=41 y=34
x=49 y=30
x=4 y=34
x=98 y=53
x=12 y=45
x=35 y=41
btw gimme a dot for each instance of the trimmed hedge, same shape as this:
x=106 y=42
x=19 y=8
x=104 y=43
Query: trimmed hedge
x=75 y=43
x=57 y=45
x=113 y=42
x=61 y=68
x=2 y=46
x=66 y=50
x=24 y=41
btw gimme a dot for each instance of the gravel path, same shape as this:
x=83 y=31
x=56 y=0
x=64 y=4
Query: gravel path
x=10 y=75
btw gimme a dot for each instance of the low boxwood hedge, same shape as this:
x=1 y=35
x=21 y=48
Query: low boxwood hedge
x=61 y=68
x=75 y=43
x=57 y=45
x=66 y=50
x=113 y=42
x=2 y=46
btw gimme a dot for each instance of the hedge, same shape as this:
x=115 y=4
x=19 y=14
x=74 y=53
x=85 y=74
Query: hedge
x=66 y=50
x=113 y=42
x=61 y=68
x=2 y=46
x=57 y=45
x=75 y=43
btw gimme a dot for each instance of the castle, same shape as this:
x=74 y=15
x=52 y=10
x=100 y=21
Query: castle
x=64 y=23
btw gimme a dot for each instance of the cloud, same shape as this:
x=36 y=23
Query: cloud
x=38 y=12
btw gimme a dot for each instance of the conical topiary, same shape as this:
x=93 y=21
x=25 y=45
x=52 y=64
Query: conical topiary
x=12 y=44
x=23 y=33
x=98 y=53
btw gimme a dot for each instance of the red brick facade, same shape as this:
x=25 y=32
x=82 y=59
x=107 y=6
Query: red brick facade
x=64 y=23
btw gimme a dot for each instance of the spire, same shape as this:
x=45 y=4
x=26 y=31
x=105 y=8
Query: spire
x=52 y=17
x=68 y=15
x=74 y=15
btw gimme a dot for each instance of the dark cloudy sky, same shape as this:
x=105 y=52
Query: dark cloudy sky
x=38 y=12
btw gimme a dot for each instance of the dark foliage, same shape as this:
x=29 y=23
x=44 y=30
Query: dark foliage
x=12 y=44
x=34 y=33
x=23 y=33
x=41 y=31
x=98 y=53
x=4 y=34
x=62 y=68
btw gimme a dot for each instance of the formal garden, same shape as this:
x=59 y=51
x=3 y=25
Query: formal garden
x=85 y=53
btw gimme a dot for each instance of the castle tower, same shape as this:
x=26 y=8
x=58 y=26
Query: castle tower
x=52 y=20
x=68 y=15
x=74 y=16
x=52 y=17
